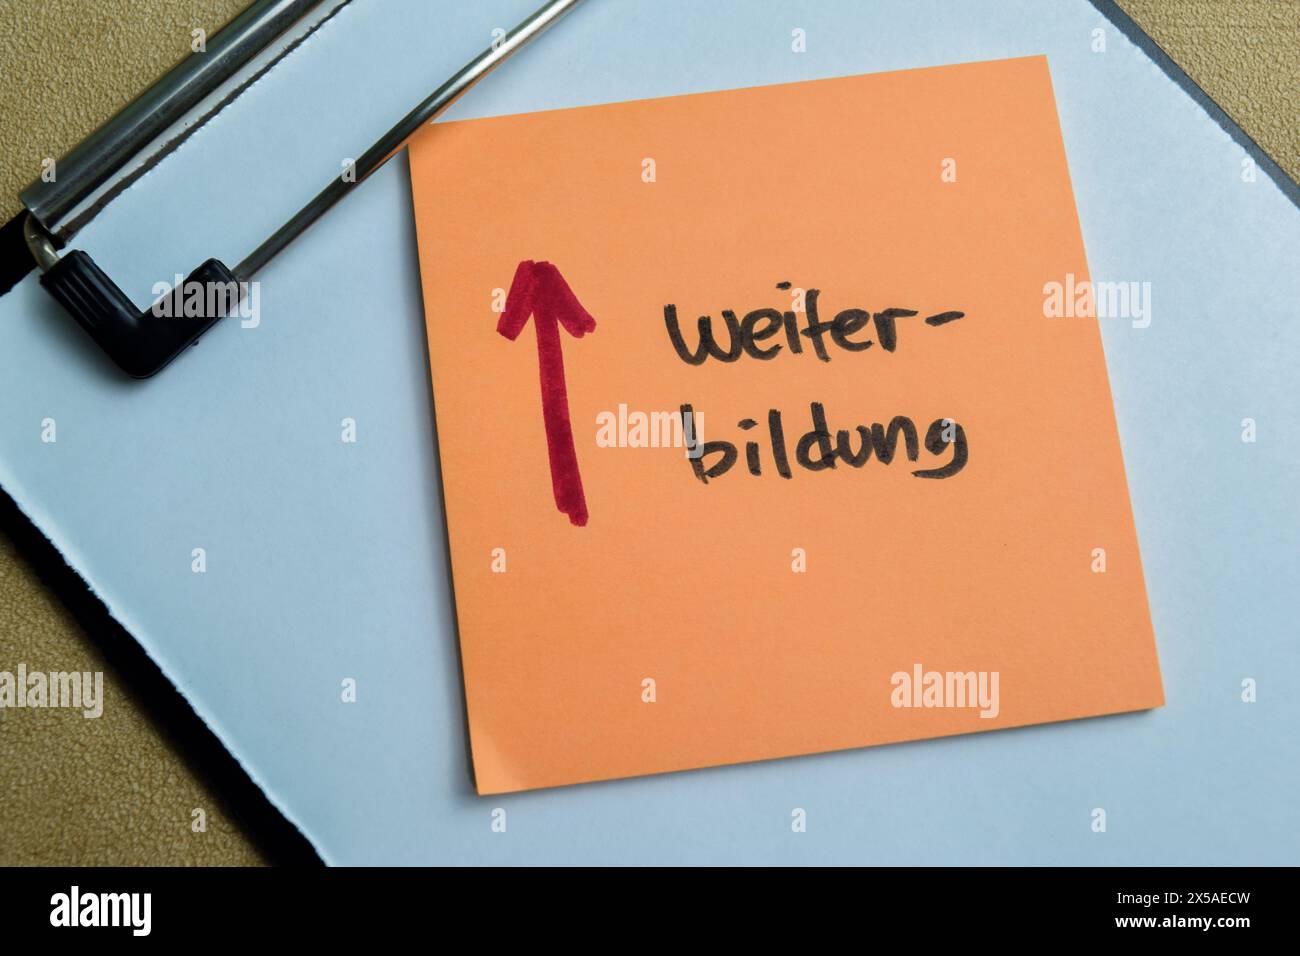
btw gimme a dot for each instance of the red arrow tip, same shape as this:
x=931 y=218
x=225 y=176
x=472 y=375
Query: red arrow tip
x=539 y=289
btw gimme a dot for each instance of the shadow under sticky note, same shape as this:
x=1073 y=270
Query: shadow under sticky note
x=910 y=518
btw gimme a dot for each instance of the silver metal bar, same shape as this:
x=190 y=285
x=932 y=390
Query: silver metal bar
x=38 y=241
x=97 y=158
x=392 y=141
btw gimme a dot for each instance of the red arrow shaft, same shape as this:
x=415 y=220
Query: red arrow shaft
x=566 y=479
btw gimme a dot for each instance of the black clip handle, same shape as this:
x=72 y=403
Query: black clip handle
x=142 y=343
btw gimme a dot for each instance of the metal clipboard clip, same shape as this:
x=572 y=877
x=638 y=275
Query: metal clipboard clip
x=111 y=158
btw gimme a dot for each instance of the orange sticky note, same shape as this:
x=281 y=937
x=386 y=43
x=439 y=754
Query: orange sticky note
x=907 y=513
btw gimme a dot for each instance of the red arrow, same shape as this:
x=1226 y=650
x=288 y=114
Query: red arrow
x=539 y=290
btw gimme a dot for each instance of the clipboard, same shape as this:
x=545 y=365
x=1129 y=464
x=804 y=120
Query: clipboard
x=239 y=452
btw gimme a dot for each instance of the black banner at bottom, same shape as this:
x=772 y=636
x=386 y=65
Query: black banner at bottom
x=334 y=906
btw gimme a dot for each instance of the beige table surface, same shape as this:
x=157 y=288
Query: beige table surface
x=115 y=790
